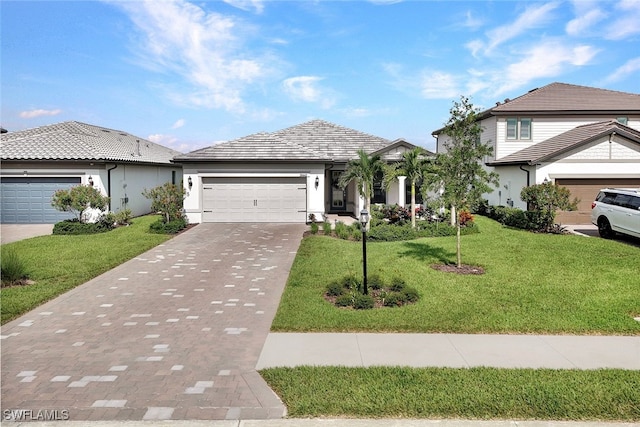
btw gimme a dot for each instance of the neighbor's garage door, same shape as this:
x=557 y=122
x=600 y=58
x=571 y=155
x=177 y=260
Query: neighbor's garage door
x=27 y=200
x=254 y=199
x=586 y=190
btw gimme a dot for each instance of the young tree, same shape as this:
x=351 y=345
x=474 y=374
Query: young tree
x=459 y=166
x=415 y=166
x=544 y=200
x=166 y=199
x=78 y=199
x=363 y=170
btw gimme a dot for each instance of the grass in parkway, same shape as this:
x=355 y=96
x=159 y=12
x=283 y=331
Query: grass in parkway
x=533 y=283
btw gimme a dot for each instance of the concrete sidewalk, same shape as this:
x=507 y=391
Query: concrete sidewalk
x=451 y=350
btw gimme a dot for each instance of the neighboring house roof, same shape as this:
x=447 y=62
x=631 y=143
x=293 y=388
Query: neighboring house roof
x=80 y=141
x=567 y=141
x=315 y=140
x=562 y=99
x=565 y=98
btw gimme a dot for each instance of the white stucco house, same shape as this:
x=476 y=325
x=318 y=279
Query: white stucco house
x=581 y=138
x=37 y=162
x=283 y=176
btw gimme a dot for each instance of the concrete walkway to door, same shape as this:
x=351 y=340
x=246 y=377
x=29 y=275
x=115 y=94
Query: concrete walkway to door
x=172 y=334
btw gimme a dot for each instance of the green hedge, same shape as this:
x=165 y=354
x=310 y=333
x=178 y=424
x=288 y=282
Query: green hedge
x=392 y=233
x=75 y=227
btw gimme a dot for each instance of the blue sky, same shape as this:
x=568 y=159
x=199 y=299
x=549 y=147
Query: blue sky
x=190 y=74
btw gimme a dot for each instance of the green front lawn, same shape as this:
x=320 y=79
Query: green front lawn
x=476 y=393
x=533 y=283
x=59 y=263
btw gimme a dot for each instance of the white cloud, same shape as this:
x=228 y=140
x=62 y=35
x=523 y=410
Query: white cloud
x=247 y=5
x=204 y=48
x=629 y=68
x=307 y=89
x=31 y=114
x=582 y=23
x=174 y=143
x=178 y=124
x=546 y=59
x=471 y=21
x=439 y=85
x=626 y=22
x=533 y=17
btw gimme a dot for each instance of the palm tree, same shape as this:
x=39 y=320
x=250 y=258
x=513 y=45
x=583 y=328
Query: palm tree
x=415 y=166
x=363 y=170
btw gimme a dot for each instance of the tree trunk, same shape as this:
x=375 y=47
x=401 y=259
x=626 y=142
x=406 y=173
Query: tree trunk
x=458 y=245
x=413 y=205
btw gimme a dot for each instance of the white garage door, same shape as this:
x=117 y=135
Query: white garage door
x=586 y=191
x=254 y=199
x=27 y=200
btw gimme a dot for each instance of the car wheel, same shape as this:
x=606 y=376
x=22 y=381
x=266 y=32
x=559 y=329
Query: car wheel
x=604 y=228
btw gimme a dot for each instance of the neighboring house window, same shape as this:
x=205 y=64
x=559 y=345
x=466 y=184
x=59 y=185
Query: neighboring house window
x=518 y=128
x=622 y=120
x=407 y=197
x=173 y=177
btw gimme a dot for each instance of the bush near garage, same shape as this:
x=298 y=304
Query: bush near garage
x=348 y=293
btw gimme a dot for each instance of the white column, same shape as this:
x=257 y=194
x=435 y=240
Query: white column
x=402 y=194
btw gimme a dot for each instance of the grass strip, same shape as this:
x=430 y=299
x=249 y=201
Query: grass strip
x=475 y=393
x=59 y=263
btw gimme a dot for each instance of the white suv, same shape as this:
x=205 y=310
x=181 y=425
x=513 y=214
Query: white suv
x=617 y=210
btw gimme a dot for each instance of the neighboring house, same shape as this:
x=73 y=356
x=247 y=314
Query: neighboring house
x=283 y=176
x=579 y=137
x=37 y=162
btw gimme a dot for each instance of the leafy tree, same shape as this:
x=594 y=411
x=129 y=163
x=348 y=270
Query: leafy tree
x=415 y=166
x=459 y=168
x=363 y=171
x=78 y=199
x=166 y=199
x=545 y=199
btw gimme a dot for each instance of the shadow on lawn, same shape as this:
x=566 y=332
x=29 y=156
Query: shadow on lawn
x=423 y=252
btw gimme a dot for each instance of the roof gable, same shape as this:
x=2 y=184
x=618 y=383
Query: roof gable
x=313 y=140
x=567 y=141
x=80 y=141
x=565 y=98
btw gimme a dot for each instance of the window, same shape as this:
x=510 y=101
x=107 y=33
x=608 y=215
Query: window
x=379 y=195
x=518 y=128
x=622 y=120
x=173 y=177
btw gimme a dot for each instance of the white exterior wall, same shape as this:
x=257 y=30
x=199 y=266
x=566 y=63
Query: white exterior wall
x=511 y=181
x=193 y=200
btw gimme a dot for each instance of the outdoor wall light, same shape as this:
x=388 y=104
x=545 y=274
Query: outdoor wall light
x=190 y=183
x=90 y=180
x=317 y=182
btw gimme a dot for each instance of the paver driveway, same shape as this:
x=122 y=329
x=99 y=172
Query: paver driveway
x=173 y=334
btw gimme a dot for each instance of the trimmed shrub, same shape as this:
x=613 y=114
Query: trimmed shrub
x=326 y=228
x=75 y=227
x=314 y=228
x=375 y=282
x=345 y=300
x=363 y=302
x=352 y=283
x=397 y=284
x=410 y=294
x=335 y=289
x=171 y=227
x=342 y=231
x=394 y=299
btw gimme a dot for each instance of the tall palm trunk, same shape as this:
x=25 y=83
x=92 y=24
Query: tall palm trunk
x=413 y=204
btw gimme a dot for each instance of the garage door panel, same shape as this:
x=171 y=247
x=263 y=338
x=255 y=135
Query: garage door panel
x=248 y=199
x=586 y=191
x=27 y=200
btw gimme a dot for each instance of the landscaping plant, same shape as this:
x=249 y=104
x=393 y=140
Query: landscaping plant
x=458 y=168
x=543 y=200
x=78 y=199
x=167 y=200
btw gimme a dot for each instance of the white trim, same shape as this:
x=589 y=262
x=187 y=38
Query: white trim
x=592 y=175
x=252 y=175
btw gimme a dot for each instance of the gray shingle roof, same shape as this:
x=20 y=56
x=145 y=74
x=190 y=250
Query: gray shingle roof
x=563 y=97
x=315 y=140
x=566 y=141
x=80 y=141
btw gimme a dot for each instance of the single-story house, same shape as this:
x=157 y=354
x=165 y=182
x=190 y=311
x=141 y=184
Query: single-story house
x=579 y=137
x=284 y=176
x=37 y=162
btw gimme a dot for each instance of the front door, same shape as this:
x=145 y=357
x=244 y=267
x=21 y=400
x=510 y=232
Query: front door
x=338 y=195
